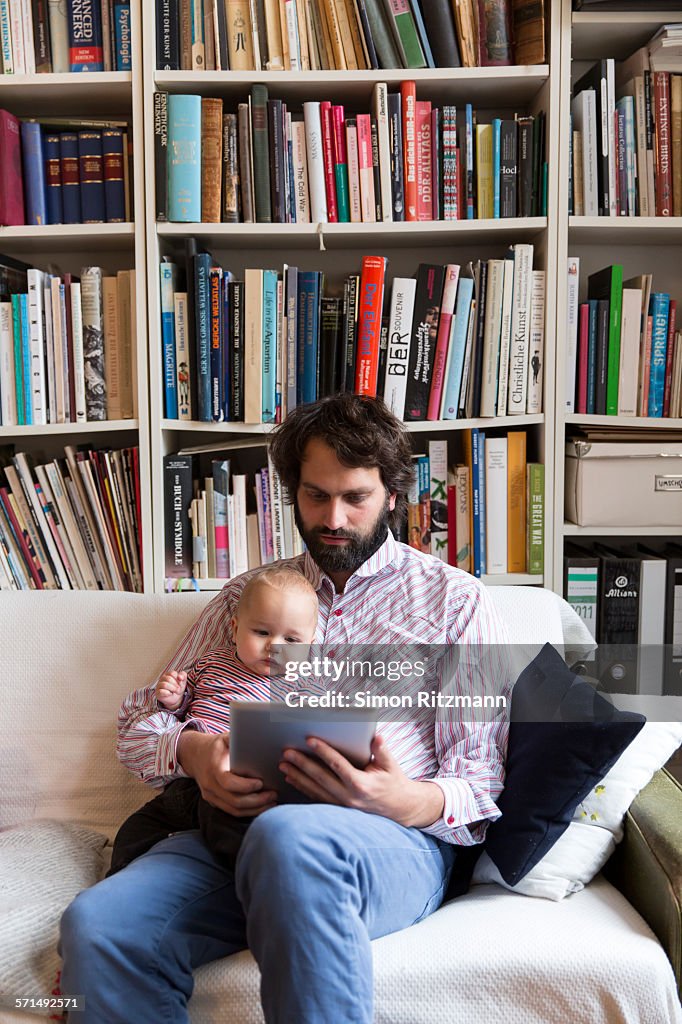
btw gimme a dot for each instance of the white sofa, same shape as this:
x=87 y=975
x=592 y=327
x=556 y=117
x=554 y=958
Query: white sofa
x=492 y=955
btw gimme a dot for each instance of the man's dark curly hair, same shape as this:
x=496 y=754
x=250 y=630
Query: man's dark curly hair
x=361 y=431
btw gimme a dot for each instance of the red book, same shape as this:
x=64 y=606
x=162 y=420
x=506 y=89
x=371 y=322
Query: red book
x=370 y=307
x=662 y=147
x=669 y=354
x=583 y=349
x=424 y=168
x=408 y=92
x=366 y=169
x=328 y=160
x=11 y=181
x=452 y=524
x=447 y=310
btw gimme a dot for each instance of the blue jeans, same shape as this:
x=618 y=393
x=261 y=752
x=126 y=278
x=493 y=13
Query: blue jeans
x=312 y=885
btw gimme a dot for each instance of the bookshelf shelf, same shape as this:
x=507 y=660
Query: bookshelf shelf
x=520 y=84
x=571 y=530
x=96 y=94
x=513 y=579
x=65 y=429
x=430 y=426
x=650 y=422
x=69 y=237
x=340 y=236
x=625 y=230
x=501 y=580
x=599 y=34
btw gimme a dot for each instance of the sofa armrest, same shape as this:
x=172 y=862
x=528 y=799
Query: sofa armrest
x=647 y=865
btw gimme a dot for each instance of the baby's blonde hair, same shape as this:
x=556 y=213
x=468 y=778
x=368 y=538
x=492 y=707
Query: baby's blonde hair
x=281 y=577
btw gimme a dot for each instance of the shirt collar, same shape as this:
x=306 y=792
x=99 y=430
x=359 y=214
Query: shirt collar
x=389 y=553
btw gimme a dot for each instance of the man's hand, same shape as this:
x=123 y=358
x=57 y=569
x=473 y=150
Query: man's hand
x=206 y=759
x=380 y=788
x=170 y=690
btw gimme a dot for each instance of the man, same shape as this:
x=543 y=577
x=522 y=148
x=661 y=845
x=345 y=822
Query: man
x=373 y=853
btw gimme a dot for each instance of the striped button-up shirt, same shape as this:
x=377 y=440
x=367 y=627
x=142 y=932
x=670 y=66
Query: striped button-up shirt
x=214 y=680
x=398 y=596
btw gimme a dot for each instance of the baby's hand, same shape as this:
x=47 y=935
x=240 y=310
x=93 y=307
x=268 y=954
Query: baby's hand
x=170 y=688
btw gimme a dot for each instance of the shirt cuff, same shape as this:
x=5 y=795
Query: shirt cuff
x=167 y=764
x=465 y=818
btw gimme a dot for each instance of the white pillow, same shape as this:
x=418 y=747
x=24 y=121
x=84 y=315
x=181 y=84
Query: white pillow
x=597 y=823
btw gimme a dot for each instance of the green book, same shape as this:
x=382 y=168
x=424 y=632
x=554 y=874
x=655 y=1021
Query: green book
x=261 y=152
x=608 y=284
x=535 y=522
x=405 y=33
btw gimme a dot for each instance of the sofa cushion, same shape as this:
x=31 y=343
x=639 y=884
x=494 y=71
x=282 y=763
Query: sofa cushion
x=486 y=958
x=563 y=738
x=43 y=866
x=597 y=823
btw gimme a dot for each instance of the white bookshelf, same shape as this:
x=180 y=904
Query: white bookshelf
x=338 y=248
x=114 y=247
x=640 y=244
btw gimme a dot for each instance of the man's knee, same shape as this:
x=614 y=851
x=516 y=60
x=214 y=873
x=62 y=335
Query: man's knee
x=80 y=923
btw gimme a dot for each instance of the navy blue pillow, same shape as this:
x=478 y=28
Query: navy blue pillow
x=564 y=736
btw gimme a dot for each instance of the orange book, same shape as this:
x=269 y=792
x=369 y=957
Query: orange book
x=211 y=158
x=408 y=92
x=516 y=501
x=369 y=324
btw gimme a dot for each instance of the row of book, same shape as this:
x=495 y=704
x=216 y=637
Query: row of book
x=630 y=598
x=75 y=35
x=64 y=171
x=67 y=345
x=340 y=35
x=484 y=515
x=456 y=342
x=406 y=160
x=71 y=523
x=624 y=347
x=626 y=138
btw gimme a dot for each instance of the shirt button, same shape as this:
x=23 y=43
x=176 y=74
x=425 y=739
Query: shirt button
x=337 y=612
x=331 y=654
x=451 y=820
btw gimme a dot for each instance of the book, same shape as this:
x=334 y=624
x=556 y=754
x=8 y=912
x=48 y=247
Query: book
x=370 y=303
x=430 y=279
x=581 y=584
x=496 y=504
x=608 y=284
x=84 y=18
x=535 y=505
x=184 y=165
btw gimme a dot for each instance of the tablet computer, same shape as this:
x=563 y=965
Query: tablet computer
x=260 y=731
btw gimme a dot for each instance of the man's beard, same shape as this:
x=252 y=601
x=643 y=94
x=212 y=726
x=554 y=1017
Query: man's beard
x=333 y=558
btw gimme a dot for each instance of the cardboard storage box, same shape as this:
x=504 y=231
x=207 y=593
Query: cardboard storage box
x=624 y=483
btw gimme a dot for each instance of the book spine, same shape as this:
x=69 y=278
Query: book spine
x=215 y=288
x=35 y=199
x=231 y=183
x=160 y=154
x=328 y=161
x=253 y=344
x=408 y=94
x=536 y=348
x=662 y=151
x=669 y=357
x=269 y=345
x=6 y=55
x=122 y=36
x=395 y=121
x=236 y=400
x=53 y=179
x=424 y=167
x=85 y=35
x=366 y=173
x=80 y=408
x=113 y=167
x=430 y=278
x=91 y=169
x=457 y=349
x=261 y=153
x=37 y=352
x=496 y=520
x=316 y=171
x=184 y=165
x=535 y=504
x=520 y=332
x=381 y=113
x=573 y=268
x=245 y=163
x=400 y=328
x=340 y=163
x=442 y=342
x=276 y=173
x=203 y=335
x=177 y=488
x=93 y=343
x=211 y=158
x=659 y=311
x=516 y=501
x=369 y=324
x=376 y=178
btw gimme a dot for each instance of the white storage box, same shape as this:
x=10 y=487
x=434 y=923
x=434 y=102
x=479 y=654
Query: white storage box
x=624 y=483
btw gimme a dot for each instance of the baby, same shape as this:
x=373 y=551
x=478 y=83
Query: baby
x=277 y=607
